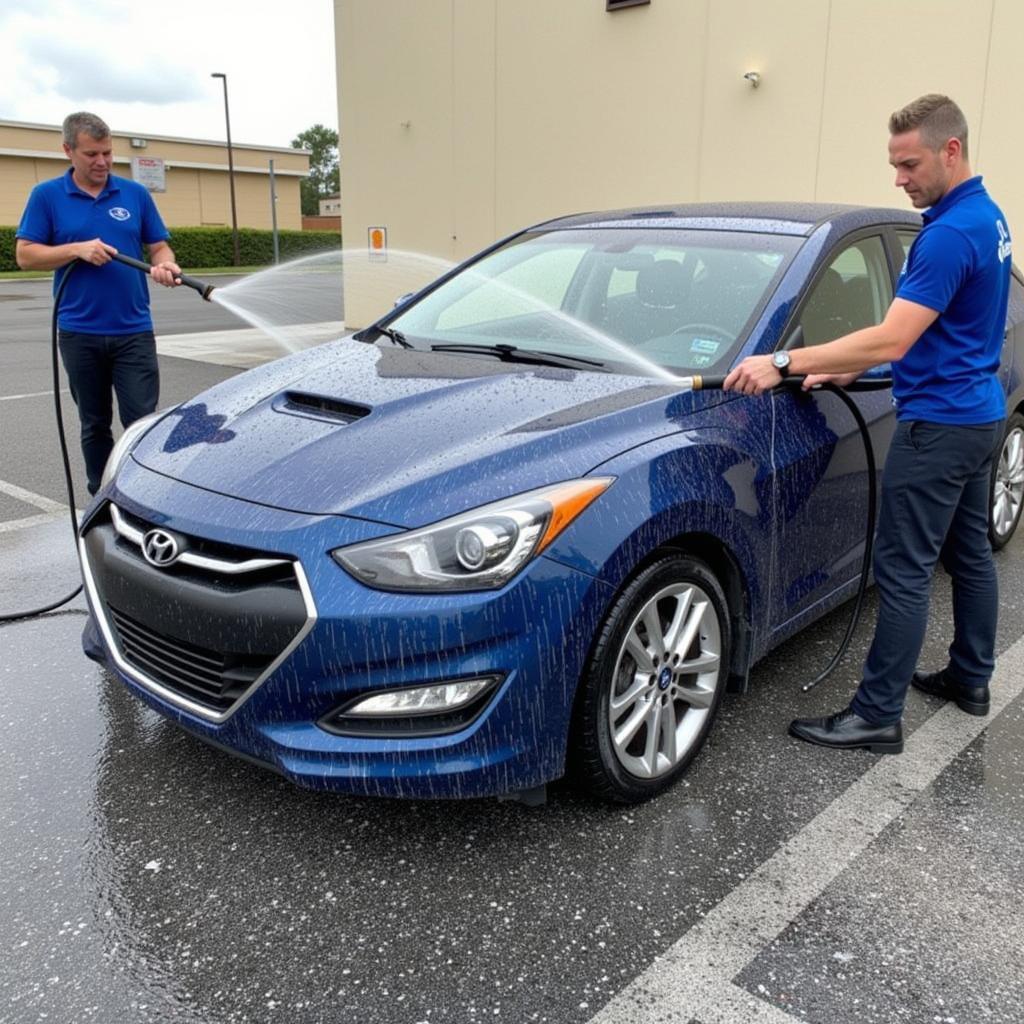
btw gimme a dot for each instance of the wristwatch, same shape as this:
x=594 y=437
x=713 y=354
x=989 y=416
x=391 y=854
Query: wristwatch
x=780 y=360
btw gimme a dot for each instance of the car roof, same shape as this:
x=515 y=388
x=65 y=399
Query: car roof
x=763 y=217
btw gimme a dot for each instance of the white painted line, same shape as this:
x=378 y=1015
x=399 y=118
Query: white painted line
x=33 y=394
x=693 y=979
x=23 y=524
x=247 y=346
x=31 y=498
x=730 y=1004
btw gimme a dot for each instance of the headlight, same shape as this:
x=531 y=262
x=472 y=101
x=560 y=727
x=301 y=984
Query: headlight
x=478 y=550
x=125 y=443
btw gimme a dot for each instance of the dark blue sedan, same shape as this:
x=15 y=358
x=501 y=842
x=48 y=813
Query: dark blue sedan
x=488 y=539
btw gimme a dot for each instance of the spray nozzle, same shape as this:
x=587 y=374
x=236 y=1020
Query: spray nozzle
x=192 y=282
x=701 y=382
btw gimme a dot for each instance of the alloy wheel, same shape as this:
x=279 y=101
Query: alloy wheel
x=666 y=678
x=1008 y=486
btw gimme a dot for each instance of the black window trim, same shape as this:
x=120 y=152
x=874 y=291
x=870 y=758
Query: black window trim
x=895 y=247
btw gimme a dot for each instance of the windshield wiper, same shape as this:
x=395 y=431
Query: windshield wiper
x=514 y=354
x=397 y=337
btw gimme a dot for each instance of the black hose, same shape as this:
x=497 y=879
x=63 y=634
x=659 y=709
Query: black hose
x=14 y=616
x=702 y=383
x=869 y=538
x=192 y=282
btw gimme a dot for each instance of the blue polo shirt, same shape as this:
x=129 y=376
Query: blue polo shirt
x=959 y=265
x=112 y=299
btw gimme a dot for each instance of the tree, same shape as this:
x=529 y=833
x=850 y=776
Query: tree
x=323 y=178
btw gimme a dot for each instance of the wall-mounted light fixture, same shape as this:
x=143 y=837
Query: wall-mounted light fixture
x=139 y=143
x=754 y=78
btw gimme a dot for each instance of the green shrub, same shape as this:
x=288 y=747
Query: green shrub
x=7 y=249
x=212 y=247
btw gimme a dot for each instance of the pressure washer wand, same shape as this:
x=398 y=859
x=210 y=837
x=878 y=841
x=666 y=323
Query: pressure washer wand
x=192 y=282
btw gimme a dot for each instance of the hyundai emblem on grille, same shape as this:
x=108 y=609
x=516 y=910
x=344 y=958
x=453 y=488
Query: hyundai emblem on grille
x=159 y=548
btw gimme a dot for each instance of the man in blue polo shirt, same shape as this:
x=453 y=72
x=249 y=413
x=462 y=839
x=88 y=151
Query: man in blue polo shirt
x=105 y=329
x=943 y=334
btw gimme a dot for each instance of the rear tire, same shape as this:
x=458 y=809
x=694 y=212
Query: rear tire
x=1007 y=488
x=654 y=681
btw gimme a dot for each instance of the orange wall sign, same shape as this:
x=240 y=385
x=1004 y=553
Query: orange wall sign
x=377 y=244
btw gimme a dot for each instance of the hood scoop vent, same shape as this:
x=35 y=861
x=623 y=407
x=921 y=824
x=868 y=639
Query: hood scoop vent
x=319 y=407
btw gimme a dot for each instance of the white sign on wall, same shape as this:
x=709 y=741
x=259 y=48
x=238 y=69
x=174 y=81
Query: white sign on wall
x=149 y=172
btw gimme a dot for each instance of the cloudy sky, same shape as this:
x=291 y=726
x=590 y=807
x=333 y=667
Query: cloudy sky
x=145 y=67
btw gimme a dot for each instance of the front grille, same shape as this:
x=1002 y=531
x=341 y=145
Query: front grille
x=203 y=631
x=214 y=679
x=228 y=553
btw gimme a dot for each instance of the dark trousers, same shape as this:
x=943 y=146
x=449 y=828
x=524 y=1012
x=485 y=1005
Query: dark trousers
x=97 y=363
x=935 y=504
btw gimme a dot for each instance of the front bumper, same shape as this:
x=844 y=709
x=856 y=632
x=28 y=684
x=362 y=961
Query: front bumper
x=534 y=634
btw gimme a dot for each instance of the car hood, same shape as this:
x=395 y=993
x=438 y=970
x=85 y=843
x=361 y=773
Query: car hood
x=403 y=437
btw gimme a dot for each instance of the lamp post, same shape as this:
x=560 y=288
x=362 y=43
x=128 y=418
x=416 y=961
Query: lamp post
x=231 y=168
x=273 y=214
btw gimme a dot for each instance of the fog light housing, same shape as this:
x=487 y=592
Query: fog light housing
x=428 y=710
x=420 y=700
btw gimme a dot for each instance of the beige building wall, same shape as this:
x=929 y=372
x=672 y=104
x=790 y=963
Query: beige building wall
x=510 y=111
x=196 y=176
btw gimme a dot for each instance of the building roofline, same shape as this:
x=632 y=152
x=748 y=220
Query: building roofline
x=162 y=138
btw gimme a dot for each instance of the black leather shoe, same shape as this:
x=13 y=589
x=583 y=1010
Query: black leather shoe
x=846 y=730
x=972 y=699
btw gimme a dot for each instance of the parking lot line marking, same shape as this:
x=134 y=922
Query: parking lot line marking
x=734 y=1005
x=29 y=521
x=247 y=346
x=30 y=497
x=691 y=978
x=33 y=394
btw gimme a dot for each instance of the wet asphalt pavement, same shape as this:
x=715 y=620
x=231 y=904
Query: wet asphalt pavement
x=147 y=877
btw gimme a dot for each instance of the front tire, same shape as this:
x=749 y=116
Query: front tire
x=1007 y=488
x=654 y=681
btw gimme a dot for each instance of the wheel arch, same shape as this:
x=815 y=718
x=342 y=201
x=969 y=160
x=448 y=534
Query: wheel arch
x=723 y=563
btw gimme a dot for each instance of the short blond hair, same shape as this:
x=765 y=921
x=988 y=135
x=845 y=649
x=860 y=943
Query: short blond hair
x=936 y=116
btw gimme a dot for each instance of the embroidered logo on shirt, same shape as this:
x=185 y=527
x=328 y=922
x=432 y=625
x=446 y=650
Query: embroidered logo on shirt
x=120 y=213
x=1005 y=245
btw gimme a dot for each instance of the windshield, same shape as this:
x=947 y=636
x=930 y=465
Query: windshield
x=638 y=300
